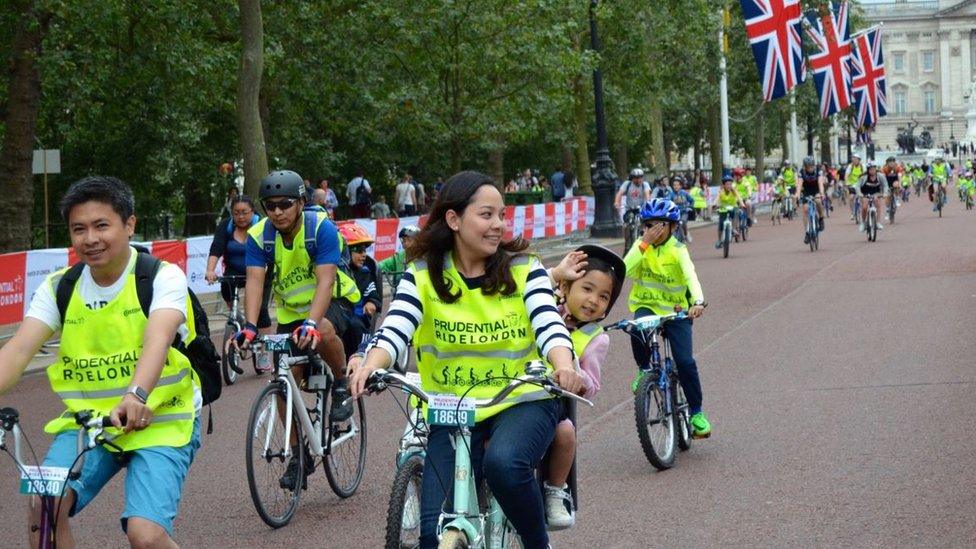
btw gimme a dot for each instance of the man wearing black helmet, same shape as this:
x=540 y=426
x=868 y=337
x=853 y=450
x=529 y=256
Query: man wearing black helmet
x=303 y=248
x=811 y=186
x=632 y=195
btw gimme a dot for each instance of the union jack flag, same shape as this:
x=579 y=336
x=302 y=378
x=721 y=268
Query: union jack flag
x=868 y=77
x=831 y=72
x=773 y=27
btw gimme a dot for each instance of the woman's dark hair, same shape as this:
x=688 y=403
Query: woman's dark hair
x=245 y=199
x=437 y=239
x=108 y=190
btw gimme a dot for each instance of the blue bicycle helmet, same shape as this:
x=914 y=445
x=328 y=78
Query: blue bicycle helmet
x=727 y=177
x=660 y=208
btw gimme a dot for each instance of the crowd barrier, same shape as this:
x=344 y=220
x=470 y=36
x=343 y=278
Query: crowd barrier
x=22 y=272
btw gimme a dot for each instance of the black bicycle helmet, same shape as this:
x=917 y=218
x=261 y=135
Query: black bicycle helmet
x=809 y=161
x=616 y=264
x=282 y=183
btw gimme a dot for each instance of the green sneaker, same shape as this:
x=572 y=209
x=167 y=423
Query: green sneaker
x=637 y=380
x=700 y=427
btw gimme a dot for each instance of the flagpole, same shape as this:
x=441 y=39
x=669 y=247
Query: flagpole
x=723 y=86
x=794 y=131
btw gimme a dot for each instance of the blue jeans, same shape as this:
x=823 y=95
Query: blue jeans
x=519 y=437
x=678 y=334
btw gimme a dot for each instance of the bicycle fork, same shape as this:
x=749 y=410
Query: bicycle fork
x=465 y=515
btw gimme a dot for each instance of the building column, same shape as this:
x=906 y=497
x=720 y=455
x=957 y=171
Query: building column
x=945 y=84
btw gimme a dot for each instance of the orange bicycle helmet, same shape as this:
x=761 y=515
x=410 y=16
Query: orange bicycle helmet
x=354 y=234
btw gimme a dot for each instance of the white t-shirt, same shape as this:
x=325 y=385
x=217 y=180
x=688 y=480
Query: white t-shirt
x=403 y=194
x=169 y=292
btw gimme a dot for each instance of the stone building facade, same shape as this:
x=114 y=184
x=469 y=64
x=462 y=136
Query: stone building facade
x=930 y=59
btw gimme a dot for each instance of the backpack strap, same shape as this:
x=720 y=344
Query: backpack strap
x=311 y=246
x=66 y=286
x=268 y=239
x=146 y=268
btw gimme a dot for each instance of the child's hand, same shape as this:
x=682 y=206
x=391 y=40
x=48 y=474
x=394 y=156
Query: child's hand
x=654 y=233
x=570 y=268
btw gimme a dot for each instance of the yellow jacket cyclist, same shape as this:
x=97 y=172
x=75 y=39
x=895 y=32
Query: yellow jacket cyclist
x=115 y=360
x=477 y=310
x=664 y=278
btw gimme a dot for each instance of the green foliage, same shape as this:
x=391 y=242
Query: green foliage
x=146 y=90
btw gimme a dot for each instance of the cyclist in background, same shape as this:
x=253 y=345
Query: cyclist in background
x=940 y=177
x=683 y=200
x=811 y=186
x=744 y=189
x=852 y=175
x=631 y=195
x=789 y=175
x=893 y=174
x=726 y=202
x=367 y=276
x=750 y=179
x=872 y=187
x=229 y=243
x=397 y=263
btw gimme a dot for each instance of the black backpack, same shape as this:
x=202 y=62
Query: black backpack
x=362 y=193
x=201 y=351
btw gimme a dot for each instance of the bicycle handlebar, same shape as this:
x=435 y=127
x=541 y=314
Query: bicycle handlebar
x=232 y=278
x=380 y=379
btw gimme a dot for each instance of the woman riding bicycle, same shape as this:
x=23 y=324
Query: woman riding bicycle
x=228 y=243
x=467 y=299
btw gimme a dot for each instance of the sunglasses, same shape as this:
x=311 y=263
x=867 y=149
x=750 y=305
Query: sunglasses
x=283 y=204
x=359 y=248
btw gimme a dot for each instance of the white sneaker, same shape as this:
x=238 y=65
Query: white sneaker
x=559 y=507
x=880 y=226
x=860 y=227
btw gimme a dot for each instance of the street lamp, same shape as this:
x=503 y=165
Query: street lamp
x=605 y=222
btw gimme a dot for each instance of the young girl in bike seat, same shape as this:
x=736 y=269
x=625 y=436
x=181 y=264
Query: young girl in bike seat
x=664 y=278
x=588 y=281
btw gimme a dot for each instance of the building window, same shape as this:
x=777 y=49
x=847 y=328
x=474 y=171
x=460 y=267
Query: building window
x=900 y=102
x=898 y=61
x=928 y=61
x=929 y=101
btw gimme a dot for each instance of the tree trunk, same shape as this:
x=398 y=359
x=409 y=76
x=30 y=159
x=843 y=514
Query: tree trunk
x=715 y=142
x=620 y=158
x=697 y=150
x=249 y=73
x=656 y=155
x=783 y=137
x=568 y=159
x=199 y=218
x=825 y=152
x=20 y=123
x=580 y=116
x=759 y=153
x=496 y=165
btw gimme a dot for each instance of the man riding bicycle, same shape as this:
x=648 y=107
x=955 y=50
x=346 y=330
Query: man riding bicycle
x=307 y=286
x=750 y=179
x=871 y=187
x=811 y=186
x=744 y=190
x=852 y=175
x=632 y=195
x=116 y=358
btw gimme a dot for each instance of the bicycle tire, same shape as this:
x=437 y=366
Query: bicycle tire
x=453 y=539
x=891 y=211
x=683 y=416
x=726 y=241
x=261 y=412
x=229 y=359
x=343 y=481
x=409 y=476
x=649 y=399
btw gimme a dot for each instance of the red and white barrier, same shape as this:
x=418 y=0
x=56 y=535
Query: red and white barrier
x=22 y=272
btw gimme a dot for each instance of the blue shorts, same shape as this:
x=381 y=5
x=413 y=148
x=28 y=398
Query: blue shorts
x=153 y=479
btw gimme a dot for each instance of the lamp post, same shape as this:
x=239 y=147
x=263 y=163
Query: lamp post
x=605 y=222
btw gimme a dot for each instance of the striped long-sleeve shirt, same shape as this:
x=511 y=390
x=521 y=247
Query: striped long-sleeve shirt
x=406 y=311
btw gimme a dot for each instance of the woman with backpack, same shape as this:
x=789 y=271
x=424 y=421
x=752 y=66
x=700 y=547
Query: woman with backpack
x=228 y=243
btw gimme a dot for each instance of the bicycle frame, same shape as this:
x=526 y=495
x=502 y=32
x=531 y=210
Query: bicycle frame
x=317 y=443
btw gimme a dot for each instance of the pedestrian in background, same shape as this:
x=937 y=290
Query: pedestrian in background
x=405 y=199
x=358 y=193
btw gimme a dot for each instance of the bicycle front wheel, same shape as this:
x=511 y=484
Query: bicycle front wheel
x=655 y=425
x=726 y=240
x=403 y=516
x=265 y=447
x=683 y=426
x=228 y=358
x=345 y=457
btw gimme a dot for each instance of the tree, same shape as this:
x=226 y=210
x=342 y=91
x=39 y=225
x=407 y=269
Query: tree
x=248 y=95
x=20 y=123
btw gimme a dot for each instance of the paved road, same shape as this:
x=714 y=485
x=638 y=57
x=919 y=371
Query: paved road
x=840 y=385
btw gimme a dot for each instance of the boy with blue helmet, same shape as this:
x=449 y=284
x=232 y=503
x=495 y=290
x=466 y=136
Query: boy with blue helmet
x=664 y=279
